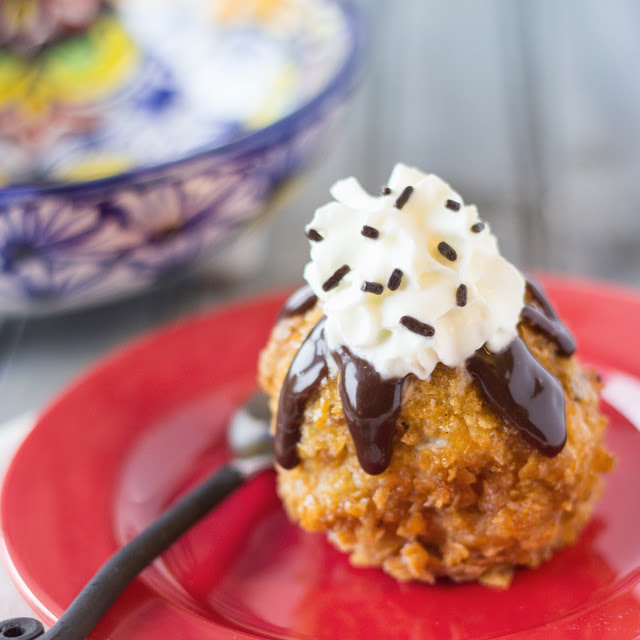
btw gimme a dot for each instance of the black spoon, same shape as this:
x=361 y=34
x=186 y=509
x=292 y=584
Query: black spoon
x=252 y=445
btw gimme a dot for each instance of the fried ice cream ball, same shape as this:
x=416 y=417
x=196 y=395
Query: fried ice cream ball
x=465 y=496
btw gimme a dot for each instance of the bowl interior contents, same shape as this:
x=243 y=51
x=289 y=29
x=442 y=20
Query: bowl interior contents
x=145 y=82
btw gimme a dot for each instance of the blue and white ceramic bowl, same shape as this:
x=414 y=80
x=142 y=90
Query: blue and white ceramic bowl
x=187 y=146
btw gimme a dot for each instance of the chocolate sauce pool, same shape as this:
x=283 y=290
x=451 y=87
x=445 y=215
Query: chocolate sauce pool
x=512 y=381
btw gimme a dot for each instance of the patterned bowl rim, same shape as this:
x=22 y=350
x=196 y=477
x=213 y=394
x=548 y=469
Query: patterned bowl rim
x=342 y=82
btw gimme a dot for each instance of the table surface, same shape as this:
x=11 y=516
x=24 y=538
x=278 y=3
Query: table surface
x=540 y=130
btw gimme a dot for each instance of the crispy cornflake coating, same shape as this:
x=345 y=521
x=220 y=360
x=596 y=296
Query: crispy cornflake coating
x=464 y=496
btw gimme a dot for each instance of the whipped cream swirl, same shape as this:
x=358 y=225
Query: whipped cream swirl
x=412 y=277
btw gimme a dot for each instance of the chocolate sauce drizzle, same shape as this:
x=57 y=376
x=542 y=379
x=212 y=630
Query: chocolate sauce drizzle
x=371 y=405
x=306 y=372
x=529 y=398
x=512 y=381
x=519 y=387
x=298 y=303
x=546 y=321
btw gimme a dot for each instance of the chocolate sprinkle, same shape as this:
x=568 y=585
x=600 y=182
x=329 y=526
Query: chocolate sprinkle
x=372 y=287
x=477 y=227
x=385 y=191
x=370 y=232
x=403 y=198
x=395 y=279
x=461 y=295
x=334 y=280
x=453 y=205
x=314 y=236
x=415 y=326
x=447 y=251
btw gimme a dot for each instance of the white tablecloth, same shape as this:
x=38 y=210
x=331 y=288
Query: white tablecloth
x=11 y=435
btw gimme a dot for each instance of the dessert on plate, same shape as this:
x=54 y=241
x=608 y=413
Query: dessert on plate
x=429 y=414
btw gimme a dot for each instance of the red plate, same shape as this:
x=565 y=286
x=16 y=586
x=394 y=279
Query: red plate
x=134 y=433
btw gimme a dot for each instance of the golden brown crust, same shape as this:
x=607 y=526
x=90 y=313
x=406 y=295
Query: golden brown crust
x=464 y=496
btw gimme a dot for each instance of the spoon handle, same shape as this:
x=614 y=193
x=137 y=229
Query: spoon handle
x=84 y=613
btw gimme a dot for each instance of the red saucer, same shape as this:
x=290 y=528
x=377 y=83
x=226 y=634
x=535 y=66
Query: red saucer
x=149 y=422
